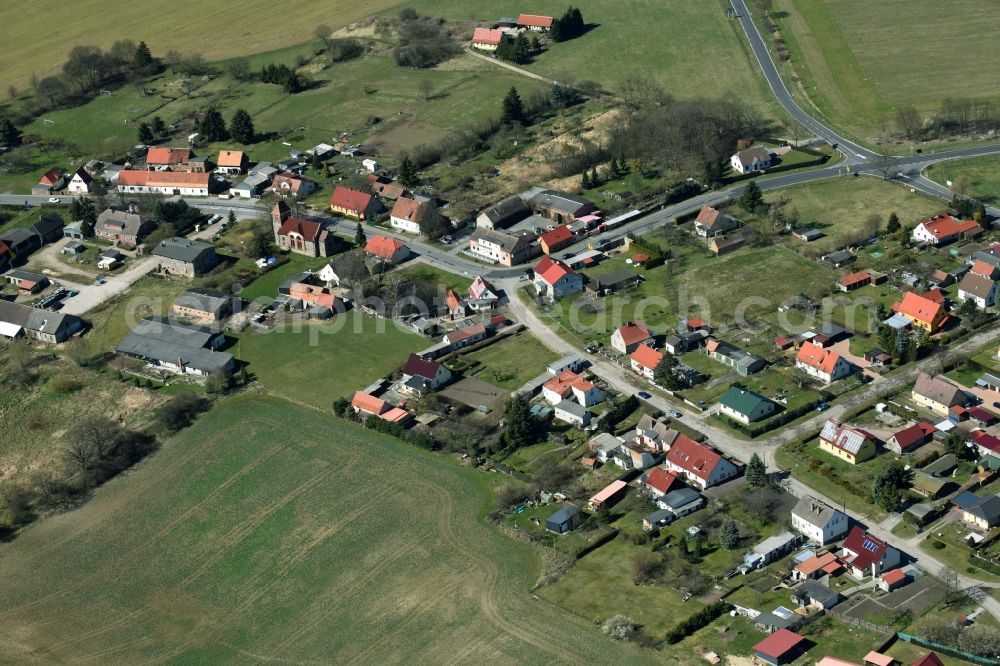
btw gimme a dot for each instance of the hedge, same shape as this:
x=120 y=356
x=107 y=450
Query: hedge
x=702 y=618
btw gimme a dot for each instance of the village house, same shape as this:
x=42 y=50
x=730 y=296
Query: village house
x=659 y=481
x=386 y=250
x=815 y=595
x=564 y=519
x=745 y=406
x=909 y=439
x=289 y=184
x=865 y=555
x=627 y=338
x=980 y=285
x=482 y=295
x=572 y=413
x=743 y=362
x=684 y=342
x=554 y=279
x=655 y=434
x=818 y=521
x=504 y=214
x=210 y=305
x=921 y=312
x=17 y=321
x=314 y=297
x=645 y=359
x=937 y=394
x=681 y=502
x=721 y=245
x=49 y=227
x=182 y=256
x=406 y=215
x=892 y=579
x=755 y=158
x=612 y=282
x=781 y=647
x=711 y=222
x=943 y=229
x=365 y=404
x=384 y=187
x=817 y=566
x=503 y=248
x=20 y=242
x=118 y=226
x=177 y=347
x=253 y=186
x=422 y=376
x=110 y=259
x=847 y=443
x=568 y=385
x=306 y=237
x=486 y=39
x=604 y=446
x=465 y=336
x=456 y=304
x=982 y=512
x=169 y=183
x=232 y=162
x=823 y=364
x=556 y=239
x=699 y=464
x=354 y=204
x=80 y=182
x=162 y=158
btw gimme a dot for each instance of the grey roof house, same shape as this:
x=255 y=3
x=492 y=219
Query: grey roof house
x=177 y=347
x=183 y=256
x=18 y=320
x=50 y=227
x=506 y=213
x=203 y=303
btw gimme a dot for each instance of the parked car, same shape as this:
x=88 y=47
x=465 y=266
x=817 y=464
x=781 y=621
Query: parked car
x=674 y=414
x=822 y=407
x=644 y=395
x=54 y=199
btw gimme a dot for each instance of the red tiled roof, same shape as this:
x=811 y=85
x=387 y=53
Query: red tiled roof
x=814 y=564
x=368 y=403
x=980 y=414
x=815 y=356
x=558 y=235
x=467 y=332
x=865 y=557
x=396 y=415
x=985 y=440
x=551 y=270
x=230 y=158
x=878 y=659
x=661 y=479
x=915 y=434
x=421 y=367
x=778 y=644
x=163 y=178
x=634 y=332
x=352 y=200
x=168 y=156
x=640 y=258
x=893 y=576
x=918 y=307
x=934 y=295
x=452 y=299
x=383 y=247
x=50 y=177
x=406 y=209
x=287 y=182
x=486 y=36
x=535 y=21
x=693 y=457
x=854 y=278
x=567 y=380
x=945 y=226
x=647 y=357
x=707 y=216
x=929 y=659
x=310 y=231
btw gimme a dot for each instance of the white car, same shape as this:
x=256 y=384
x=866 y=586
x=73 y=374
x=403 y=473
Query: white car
x=54 y=200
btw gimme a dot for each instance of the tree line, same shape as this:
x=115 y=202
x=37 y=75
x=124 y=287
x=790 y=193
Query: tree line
x=423 y=41
x=955 y=115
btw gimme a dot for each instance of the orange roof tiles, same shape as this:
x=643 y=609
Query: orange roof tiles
x=824 y=360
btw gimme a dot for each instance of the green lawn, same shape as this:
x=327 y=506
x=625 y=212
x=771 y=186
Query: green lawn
x=511 y=363
x=273 y=531
x=437 y=277
x=320 y=362
x=983 y=174
x=113 y=319
x=840 y=208
x=266 y=286
x=858 y=62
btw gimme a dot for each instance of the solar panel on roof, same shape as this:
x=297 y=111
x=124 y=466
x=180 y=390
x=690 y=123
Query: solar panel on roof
x=870 y=545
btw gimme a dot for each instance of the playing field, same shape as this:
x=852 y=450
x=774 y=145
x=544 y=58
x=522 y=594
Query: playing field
x=860 y=60
x=268 y=533
x=40 y=34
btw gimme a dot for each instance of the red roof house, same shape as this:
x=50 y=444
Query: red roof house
x=167 y=157
x=921 y=311
x=780 y=647
x=555 y=239
x=627 y=337
x=50 y=177
x=865 y=555
x=368 y=404
x=944 y=228
x=659 y=481
x=353 y=203
x=929 y=659
x=645 y=359
x=892 y=579
x=486 y=38
x=386 y=249
x=534 y=21
x=698 y=463
x=907 y=439
x=824 y=364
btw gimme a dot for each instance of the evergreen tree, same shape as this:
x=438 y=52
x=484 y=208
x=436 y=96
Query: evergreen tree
x=954 y=444
x=522 y=51
x=752 y=198
x=159 y=127
x=713 y=172
x=585 y=180
x=259 y=245
x=231 y=219
x=595 y=178
x=979 y=214
x=359 y=236
x=729 y=535
x=143 y=59
x=241 y=127
x=892 y=224
x=756 y=471
x=10 y=136
x=145 y=134
x=316 y=164
x=87 y=216
x=683 y=547
x=534 y=44
x=212 y=127
x=902 y=346
x=557 y=97
x=664 y=369
x=615 y=170
x=521 y=429
x=513 y=109
x=407 y=172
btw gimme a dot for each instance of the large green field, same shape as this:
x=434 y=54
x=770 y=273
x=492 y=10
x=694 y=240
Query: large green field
x=41 y=33
x=270 y=533
x=315 y=363
x=858 y=60
x=983 y=174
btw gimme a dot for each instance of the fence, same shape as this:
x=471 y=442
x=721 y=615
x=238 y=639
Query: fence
x=950 y=651
x=858 y=622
